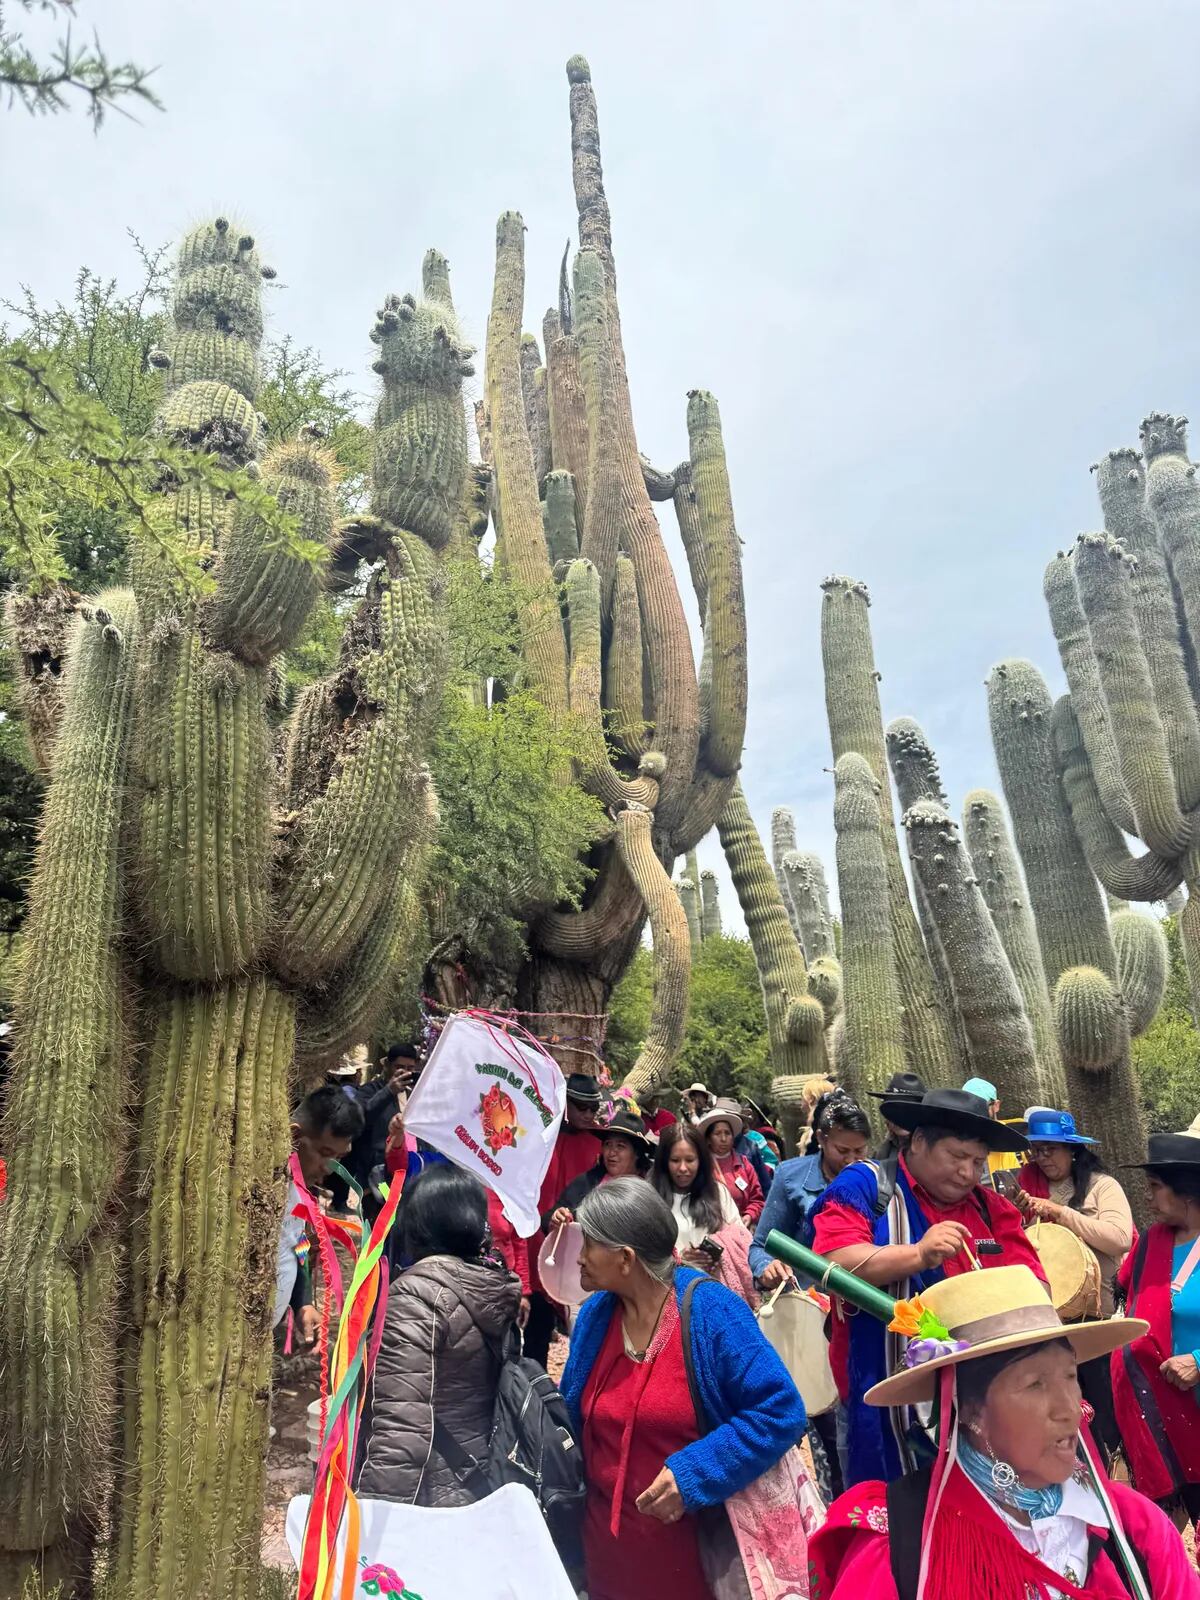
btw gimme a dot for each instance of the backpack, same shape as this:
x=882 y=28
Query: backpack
x=532 y=1441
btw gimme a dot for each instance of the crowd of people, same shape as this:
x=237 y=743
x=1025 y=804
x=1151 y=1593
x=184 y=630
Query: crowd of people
x=1002 y=1437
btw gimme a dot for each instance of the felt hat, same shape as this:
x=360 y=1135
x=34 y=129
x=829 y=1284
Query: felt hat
x=627 y=1126
x=1171 y=1150
x=583 y=1089
x=724 y=1111
x=901 y=1086
x=1043 y=1126
x=964 y=1114
x=983 y=1088
x=984 y=1313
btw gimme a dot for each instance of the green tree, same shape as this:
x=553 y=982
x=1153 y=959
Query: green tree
x=726 y=1042
x=42 y=86
x=1167 y=1056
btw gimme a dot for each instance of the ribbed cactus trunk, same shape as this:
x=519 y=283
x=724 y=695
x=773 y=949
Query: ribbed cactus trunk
x=64 y=1132
x=1072 y=924
x=856 y=726
x=710 y=902
x=795 y=1018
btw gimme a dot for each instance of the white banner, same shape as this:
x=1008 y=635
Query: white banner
x=492 y=1105
x=496 y=1549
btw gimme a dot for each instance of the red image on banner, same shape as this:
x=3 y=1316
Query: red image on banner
x=498 y=1114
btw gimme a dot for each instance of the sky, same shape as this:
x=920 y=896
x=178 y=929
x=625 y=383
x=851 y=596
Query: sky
x=932 y=257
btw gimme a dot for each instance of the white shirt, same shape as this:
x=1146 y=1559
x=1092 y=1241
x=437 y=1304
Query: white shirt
x=287 y=1266
x=691 y=1232
x=1060 y=1542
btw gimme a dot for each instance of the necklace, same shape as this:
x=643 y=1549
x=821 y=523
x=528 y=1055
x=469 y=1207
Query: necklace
x=640 y=1355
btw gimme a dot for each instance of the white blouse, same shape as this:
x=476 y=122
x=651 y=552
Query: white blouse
x=691 y=1232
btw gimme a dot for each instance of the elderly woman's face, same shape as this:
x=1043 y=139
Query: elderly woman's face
x=620 y=1157
x=602 y=1268
x=1031 y=1417
x=720 y=1138
x=1167 y=1206
x=1054 y=1160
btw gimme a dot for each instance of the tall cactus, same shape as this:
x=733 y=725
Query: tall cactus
x=999 y=873
x=710 y=903
x=873 y=1048
x=783 y=844
x=63 y=1132
x=165 y=744
x=622 y=668
x=795 y=1017
x=856 y=725
x=688 y=894
x=808 y=893
x=1072 y=924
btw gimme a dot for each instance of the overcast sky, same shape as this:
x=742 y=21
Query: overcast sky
x=933 y=258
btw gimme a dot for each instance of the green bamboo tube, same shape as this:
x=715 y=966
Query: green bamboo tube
x=876 y=1302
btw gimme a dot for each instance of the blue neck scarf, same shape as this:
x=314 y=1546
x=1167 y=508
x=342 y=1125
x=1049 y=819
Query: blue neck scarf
x=1038 y=1504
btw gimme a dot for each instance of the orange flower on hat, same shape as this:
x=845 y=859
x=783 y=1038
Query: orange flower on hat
x=907 y=1318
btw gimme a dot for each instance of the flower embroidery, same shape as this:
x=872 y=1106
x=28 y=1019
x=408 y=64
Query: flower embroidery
x=378 y=1579
x=876 y=1518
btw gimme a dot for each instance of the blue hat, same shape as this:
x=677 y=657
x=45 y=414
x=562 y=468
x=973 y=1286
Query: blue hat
x=1053 y=1127
x=981 y=1087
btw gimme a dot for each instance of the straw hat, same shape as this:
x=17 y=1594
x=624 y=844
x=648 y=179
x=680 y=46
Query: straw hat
x=724 y=1111
x=1002 y=1308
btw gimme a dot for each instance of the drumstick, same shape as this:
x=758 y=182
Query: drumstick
x=768 y=1310
x=558 y=1233
x=976 y=1264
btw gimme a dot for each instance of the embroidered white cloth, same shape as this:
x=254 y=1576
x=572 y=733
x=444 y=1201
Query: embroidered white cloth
x=492 y=1105
x=497 y=1549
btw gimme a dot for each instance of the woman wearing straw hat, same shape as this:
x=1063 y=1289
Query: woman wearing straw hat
x=1156 y=1381
x=1016 y=1505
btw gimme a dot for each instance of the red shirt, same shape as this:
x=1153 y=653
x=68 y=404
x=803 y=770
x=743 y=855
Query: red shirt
x=740 y=1178
x=647 y=1559
x=838 y=1226
x=510 y=1246
x=659 y=1121
x=574 y=1152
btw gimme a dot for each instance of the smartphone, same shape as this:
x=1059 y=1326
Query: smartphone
x=711 y=1248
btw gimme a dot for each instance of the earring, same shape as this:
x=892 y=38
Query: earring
x=1004 y=1475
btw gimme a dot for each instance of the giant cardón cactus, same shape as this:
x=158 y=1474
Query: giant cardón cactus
x=620 y=664
x=244 y=905
x=1125 y=607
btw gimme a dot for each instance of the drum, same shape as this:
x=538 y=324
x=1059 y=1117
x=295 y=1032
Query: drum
x=558 y=1265
x=796 y=1328
x=1072 y=1270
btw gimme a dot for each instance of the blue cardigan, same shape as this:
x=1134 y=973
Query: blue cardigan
x=755 y=1413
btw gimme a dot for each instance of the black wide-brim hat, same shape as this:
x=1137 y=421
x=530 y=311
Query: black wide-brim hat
x=627 y=1126
x=583 y=1089
x=901 y=1086
x=964 y=1114
x=1171 y=1150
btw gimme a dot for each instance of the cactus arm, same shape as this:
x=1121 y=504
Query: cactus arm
x=687 y=515
x=625 y=664
x=995 y=864
x=1074 y=641
x=659 y=485
x=1129 y=877
x=537 y=408
x=615 y=908
x=1067 y=907
x=65 y=1120
x=601 y=529
x=804 y=878
x=1121 y=480
x=558 y=519
x=686 y=890
x=1142 y=965
x=1093 y=1029
x=1174 y=498
x=795 y=1019
x=37 y=628
x=1103 y=575
x=672 y=672
x=672 y=953
x=998 y=1032
x=870 y=986
x=542 y=644
x=710 y=904
x=856 y=725
x=264 y=589
x=596 y=772
x=725 y=626
x=783 y=844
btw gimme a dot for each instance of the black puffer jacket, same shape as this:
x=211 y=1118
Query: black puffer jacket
x=440 y=1355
